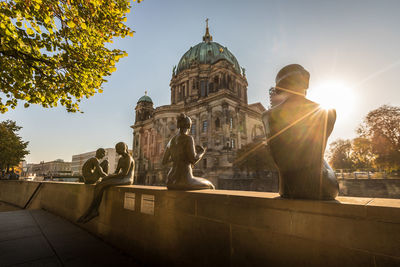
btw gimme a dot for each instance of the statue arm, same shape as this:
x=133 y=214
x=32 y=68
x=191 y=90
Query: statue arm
x=192 y=155
x=122 y=168
x=99 y=169
x=167 y=154
x=331 y=122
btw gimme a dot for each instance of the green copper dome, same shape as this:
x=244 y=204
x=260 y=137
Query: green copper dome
x=207 y=52
x=145 y=98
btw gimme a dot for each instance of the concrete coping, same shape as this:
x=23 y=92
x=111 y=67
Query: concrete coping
x=377 y=209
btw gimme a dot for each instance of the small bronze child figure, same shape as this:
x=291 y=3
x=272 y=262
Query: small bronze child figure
x=93 y=170
x=297 y=131
x=183 y=153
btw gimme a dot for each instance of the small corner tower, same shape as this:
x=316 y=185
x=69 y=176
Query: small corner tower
x=144 y=108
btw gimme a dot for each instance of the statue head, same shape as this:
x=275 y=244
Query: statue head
x=183 y=122
x=294 y=78
x=100 y=153
x=121 y=148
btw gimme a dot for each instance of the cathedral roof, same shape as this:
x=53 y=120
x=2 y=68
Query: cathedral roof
x=207 y=52
x=145 y=98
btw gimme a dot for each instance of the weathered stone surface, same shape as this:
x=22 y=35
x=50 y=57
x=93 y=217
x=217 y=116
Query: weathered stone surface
x=221 y=227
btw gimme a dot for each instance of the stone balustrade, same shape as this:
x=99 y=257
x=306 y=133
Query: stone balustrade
x=226 y=228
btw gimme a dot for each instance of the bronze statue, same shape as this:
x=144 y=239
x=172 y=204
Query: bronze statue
x=92 y=169
x=297 y=131
x=183 y=153
x=123 y=176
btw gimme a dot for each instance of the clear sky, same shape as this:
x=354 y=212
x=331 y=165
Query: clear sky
x=353 y=45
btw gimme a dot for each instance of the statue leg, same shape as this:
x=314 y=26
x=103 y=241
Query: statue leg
x=93 y=210
x=90 y=178
x=330 y=184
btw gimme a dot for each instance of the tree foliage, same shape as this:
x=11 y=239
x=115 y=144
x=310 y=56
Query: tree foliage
x=12 y=147
x=382 y=127
x=340 y=154
x=254 y=157
x=377 y=144
x=54 y=51
x=362 y=156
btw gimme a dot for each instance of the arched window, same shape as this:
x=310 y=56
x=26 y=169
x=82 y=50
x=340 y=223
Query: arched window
x=193 y=129
x=205 y=126
x=231 y=123
x=203 y=88
x=233 y=143
x=217 y=123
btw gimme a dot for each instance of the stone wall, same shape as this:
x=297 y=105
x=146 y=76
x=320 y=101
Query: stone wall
x=383 y=188
x=387 y=188
x=229 y=228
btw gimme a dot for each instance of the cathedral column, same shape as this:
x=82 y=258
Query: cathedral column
x=198 y=129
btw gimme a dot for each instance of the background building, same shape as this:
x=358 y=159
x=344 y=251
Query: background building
x=49 y=169
x=209 y=86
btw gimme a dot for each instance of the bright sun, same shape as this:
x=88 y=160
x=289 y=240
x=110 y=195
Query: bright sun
x=333 y=94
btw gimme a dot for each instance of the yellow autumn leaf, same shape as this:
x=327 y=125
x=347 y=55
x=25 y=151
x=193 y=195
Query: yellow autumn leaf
x=71 y=24
x=29 y=31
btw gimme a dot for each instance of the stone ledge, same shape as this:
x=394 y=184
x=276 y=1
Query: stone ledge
x=231 y=226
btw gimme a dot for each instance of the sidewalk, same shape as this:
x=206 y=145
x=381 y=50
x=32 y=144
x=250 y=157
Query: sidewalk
x=38 y=238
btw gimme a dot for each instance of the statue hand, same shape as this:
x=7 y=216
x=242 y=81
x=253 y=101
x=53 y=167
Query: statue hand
x=200 y=149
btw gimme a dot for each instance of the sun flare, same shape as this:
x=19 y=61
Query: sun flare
x=333 y=94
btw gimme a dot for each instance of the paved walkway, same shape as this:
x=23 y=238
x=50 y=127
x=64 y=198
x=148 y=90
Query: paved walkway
x=38 y=238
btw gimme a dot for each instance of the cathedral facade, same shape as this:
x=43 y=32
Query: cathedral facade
x=209 y=86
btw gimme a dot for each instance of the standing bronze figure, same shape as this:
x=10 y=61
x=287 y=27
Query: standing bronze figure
x=123 y=176
x=183 y=153
x=297 y=131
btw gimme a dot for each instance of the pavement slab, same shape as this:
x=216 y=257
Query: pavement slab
x=39 y=238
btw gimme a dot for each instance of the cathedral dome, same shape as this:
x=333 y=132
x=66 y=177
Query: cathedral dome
x=207 y=52
x=145 y=98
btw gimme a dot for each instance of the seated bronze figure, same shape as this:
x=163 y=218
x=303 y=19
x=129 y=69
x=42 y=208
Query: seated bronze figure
x=93 y=170
x=297 y=131
x=123 y=176
x=183 y=153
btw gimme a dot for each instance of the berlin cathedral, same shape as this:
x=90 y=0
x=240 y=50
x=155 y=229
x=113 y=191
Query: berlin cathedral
x=209 y=86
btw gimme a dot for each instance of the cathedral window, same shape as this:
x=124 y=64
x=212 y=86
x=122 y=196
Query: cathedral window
x=193 y=129
x=231 y=123
x=211 y=87
x=203 y=88
x=217 y=123
x=205 y=125
x=233 y=143
x=179 y=94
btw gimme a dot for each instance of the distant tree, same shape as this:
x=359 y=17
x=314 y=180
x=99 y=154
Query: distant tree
x=340 y=154
x=12 y=147
x=254 y=157
x=54 y=51
x=382 y=127
x=362 y=155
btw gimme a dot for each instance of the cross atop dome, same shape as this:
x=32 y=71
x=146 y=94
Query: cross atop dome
x=207 y=37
